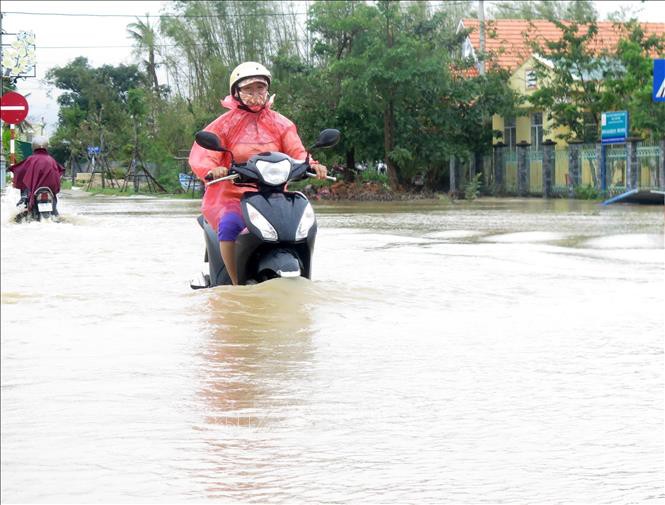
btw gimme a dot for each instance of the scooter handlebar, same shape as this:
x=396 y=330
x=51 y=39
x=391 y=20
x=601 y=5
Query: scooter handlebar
x=225 y=178
x=236 y=175
x=328 y=177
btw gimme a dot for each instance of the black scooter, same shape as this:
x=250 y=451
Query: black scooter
x=281 y=227
x=45 y=205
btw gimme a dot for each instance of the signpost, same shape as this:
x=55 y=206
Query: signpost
x=614 y=127
x=13 y=110
x=613 y=130
x=658 y=94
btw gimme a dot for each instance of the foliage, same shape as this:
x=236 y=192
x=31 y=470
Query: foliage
x=388 y=74
x=19 y=153
x=387 y=81
x=587 y=192
x=579 y=83
x=630 y=88
x=93 y=109
x=373 y=176
x=145 y=37
x=577 y=10
x=472 y=188
x=570 y=84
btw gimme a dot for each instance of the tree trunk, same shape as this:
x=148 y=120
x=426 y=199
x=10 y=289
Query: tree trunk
x=349 y=174
x=389 y=121
x=389 y=142
x=152 y=71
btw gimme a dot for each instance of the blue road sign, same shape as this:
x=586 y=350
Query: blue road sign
x=658 y=81
x=93 y=150
x=614 y=127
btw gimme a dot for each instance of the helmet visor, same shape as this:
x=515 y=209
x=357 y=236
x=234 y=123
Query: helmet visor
x=251 y=80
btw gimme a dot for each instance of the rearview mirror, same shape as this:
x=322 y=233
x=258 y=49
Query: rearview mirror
x=210 y=141
x=327 y=138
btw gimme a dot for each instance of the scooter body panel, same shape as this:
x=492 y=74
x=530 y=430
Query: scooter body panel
x=44 y=205
x=257 y=259
x=217 y=271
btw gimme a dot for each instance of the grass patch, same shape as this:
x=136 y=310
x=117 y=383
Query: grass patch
x=587 y=192
x=130 y=192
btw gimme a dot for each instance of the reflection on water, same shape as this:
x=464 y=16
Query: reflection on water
x=259 y=341
x=496 y=350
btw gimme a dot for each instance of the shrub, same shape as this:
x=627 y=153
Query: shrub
x=472 y=188
x=587 y=192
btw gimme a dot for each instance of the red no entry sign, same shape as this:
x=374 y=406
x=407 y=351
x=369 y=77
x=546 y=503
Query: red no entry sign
x=13 y=107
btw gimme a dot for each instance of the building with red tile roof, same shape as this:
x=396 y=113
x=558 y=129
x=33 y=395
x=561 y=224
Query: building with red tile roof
x=508 y=40
x=508 y=46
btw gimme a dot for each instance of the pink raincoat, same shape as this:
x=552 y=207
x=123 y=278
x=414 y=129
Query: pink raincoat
x=245 y=134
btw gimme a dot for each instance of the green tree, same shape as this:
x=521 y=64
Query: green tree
x=570 y=81
x=94 y=105
x=580 y=11
x=578 y=83
x=145 y=37
x=335 y=87
x=386 y=76
x=629 y=86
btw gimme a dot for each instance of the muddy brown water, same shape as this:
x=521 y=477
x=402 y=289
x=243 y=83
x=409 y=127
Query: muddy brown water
x=477 y=352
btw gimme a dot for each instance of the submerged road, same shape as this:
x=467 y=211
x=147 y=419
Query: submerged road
x=488 y=351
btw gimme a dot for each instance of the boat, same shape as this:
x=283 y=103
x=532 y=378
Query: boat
x=189 y=182
x=642 y=196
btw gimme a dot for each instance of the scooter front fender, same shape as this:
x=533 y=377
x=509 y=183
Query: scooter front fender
x=279 y=263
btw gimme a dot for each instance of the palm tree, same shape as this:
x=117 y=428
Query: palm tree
x=146 y=41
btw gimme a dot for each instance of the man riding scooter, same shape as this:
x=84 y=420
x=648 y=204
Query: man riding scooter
x=39 y=171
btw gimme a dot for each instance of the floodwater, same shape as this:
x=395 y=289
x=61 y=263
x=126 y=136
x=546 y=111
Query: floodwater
x=496 y=351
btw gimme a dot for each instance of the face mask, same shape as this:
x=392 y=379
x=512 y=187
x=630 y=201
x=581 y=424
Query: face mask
x=254 y=100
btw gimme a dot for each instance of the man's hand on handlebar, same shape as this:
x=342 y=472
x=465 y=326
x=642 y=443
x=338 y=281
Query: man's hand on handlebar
x=217 y=172
x=320 y=170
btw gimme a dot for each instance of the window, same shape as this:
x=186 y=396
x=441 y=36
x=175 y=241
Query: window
x=536 y=130
x=530 y=78
x=510 y=132
x=467 y=48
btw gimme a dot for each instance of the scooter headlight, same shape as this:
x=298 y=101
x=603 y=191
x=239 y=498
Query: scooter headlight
x=306 y=222
x=274 y=173
x=265 y=228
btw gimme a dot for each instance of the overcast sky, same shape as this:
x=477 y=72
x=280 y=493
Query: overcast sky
x=103 y=38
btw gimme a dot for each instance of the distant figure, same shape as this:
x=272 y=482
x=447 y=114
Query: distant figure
x=37 y=170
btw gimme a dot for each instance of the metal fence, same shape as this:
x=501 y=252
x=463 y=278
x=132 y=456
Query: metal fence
x=516 y=172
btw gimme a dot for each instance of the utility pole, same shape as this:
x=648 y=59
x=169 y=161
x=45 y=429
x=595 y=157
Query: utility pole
x=2 y=70
x=481 y=18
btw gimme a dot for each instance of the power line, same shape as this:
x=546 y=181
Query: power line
x=156 y=45
x=195 y=16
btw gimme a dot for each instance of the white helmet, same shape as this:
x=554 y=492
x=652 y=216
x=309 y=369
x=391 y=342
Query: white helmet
x=246 y=70
x=39 y=142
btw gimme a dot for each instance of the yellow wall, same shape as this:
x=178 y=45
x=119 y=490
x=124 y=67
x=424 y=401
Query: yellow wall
x=497 y=124
x=518 y=82
x=523 y=127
